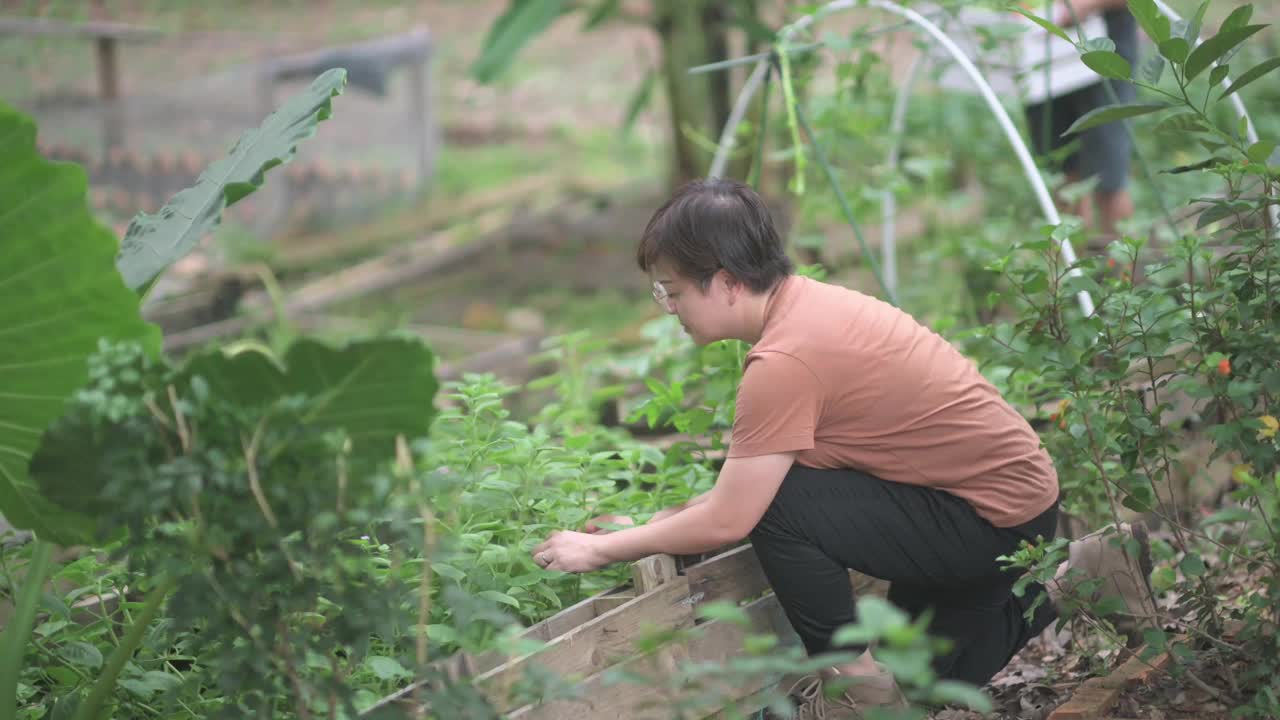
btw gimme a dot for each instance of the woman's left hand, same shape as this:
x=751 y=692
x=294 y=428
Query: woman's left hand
x=573 y=552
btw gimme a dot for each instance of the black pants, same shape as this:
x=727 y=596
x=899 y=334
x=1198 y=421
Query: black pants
x=932 y=547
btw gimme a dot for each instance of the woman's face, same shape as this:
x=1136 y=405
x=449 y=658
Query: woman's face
x=702 y=313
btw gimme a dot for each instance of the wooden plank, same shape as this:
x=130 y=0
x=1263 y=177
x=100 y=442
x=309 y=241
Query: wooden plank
x=1095 y=698
x=714 y=641
x=605 y=604
x=562 y=622
x=736 y=575
x=397 y=267
x=596 y=644
x=723 y=641
x=59 y=28
x=731 y=576
x=301 y=250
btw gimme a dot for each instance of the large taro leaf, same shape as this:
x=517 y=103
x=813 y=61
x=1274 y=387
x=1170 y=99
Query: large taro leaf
x=522 y=21
x=373 y=389
x=153 y=242
x=59 y=293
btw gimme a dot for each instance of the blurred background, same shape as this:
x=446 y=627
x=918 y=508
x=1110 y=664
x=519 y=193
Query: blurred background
x=485 y=176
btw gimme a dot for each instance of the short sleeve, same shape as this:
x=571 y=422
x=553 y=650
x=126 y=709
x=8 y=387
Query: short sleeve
x=779 y=402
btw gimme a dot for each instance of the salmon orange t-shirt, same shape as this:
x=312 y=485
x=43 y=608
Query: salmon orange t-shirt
x=848 y=381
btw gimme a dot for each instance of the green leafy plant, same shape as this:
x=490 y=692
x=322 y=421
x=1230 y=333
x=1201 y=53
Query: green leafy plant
x=80 y=299
x=243 y=484
x=1178 y=356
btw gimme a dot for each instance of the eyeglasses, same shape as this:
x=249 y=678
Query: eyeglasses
x=660 y=295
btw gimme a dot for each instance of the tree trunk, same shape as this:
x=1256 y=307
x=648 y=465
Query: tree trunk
x=679 y=25
x=697 y=32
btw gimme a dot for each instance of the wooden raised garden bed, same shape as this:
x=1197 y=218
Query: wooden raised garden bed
x=600 y=633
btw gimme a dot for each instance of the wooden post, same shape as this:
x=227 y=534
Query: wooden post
x=108 y=82
x=420 y=120
x=650 y=572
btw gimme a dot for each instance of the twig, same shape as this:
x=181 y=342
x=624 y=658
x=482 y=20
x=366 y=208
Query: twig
x=304 y=712
x=1195 y=680
x=158 y=414
x=404 y=467
x=251 y=461
x=342 y=478
x=184 y=435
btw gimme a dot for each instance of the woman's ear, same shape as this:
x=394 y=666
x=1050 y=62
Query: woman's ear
x=731 y=285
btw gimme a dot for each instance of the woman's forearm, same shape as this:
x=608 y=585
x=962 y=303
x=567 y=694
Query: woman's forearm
x=668 y=512
x=691 y=530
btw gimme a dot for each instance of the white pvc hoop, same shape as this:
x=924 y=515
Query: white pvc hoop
x=993 y=103
x=888 y=240
x=889 y=200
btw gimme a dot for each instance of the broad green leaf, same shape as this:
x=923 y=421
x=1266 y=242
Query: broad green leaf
x=952 y=692
x=1103 y=44
x=150 y=683
x=1192 y=565
x=1175 y=49
x=1237 y=19
x=495 y=596
x=1215 y=47
x=1218 y=74
x=1193 y=27
x=880 y=615
x=154 y=242
x=1107 y=64
x=59 y=294
x=82 y=654
x=1252 y=74
x=1110 y=113
x=1153 y=22
x=1152 y=69
x=518 y=26
x=1227 y=515
x=385 y=668
x=1215 y=213
x=373 y=389
x=1261 y=151
x=442 y=634
x=448 y=571
x=724 y=612
x=1047 y=25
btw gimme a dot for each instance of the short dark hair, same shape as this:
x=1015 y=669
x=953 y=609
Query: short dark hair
x=714 y=224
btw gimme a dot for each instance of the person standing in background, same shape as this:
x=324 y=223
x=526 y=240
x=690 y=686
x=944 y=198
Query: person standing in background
x=1104 y=151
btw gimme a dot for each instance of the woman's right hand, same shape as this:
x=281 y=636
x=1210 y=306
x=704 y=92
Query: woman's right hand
x=593 y=525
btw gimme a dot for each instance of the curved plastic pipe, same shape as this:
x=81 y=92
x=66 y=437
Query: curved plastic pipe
x=728 y=136
x=889 y=201
x=993 y=103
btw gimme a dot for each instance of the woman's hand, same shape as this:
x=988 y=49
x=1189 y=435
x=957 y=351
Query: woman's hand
x=569 y=551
